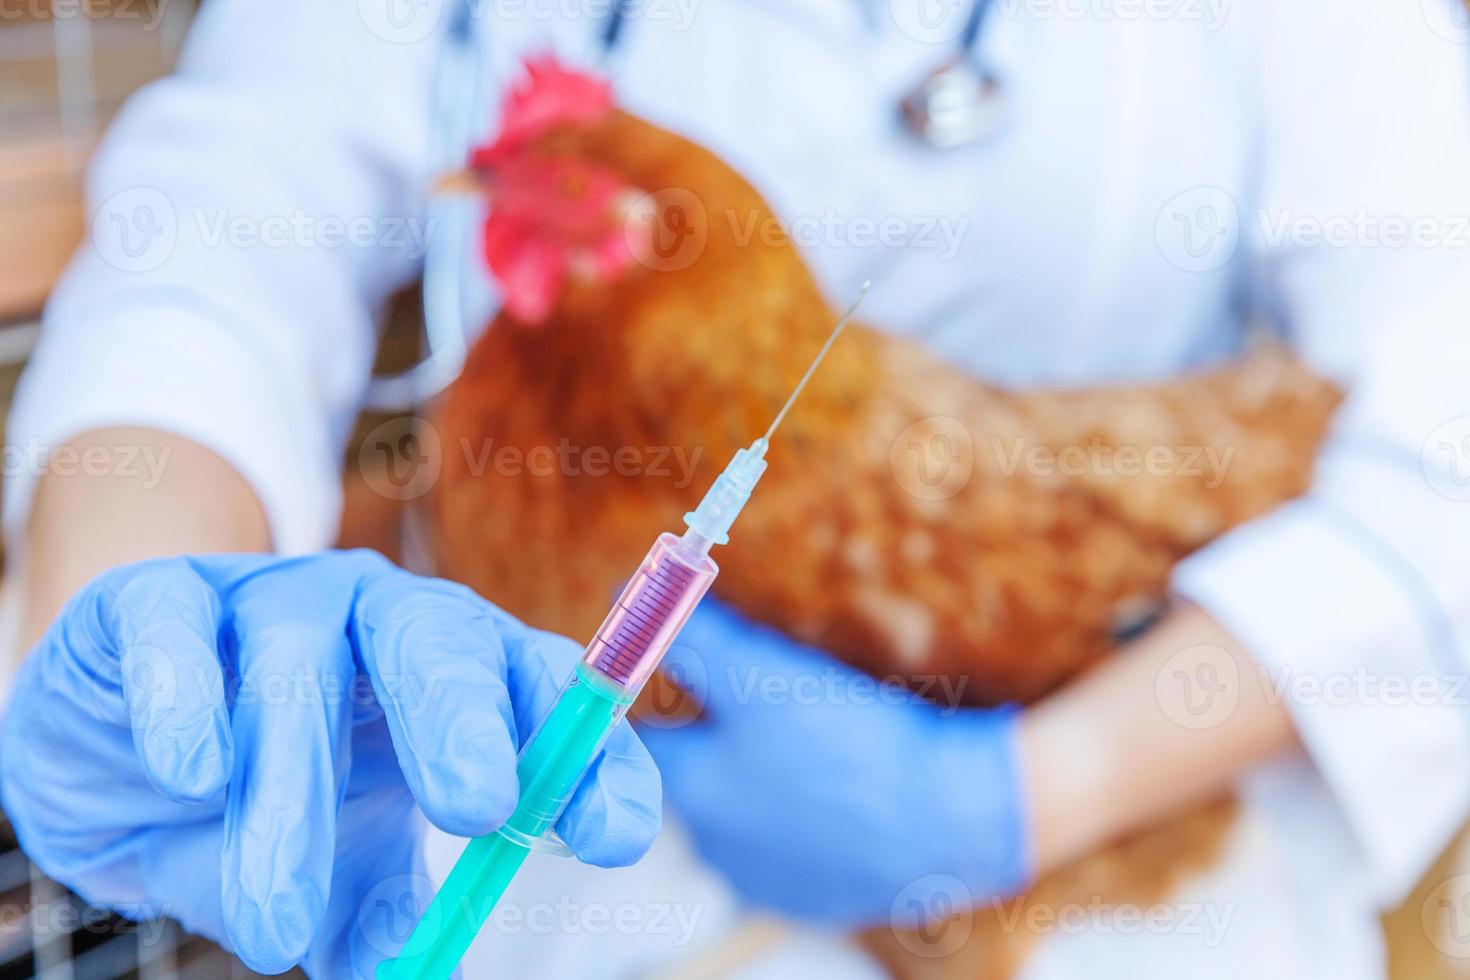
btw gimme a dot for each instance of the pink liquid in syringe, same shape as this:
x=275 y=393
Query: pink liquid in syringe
x=649 y=614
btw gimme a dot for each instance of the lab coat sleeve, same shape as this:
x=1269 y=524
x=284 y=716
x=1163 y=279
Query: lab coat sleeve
x=249 y=216
x=1355 y=599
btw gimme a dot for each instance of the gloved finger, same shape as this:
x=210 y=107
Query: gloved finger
x=616 y=811
x=539 y=665
x=436 y=655
x=383 y=885
x=180 y=865
x=292 y=722
x=162 y=621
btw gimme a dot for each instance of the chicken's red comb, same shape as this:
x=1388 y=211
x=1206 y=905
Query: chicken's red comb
x=550 y=95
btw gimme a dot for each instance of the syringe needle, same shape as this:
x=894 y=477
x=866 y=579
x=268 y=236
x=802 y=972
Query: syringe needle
x=812 y=368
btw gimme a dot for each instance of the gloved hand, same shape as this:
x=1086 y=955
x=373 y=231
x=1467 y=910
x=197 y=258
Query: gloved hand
x=239 y=742
x=823 y=795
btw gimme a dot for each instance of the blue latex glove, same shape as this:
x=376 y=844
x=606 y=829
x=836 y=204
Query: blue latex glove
x=825 y=796
x=240 y=741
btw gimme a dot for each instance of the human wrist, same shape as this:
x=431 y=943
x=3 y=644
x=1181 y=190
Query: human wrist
x=1066 y=764
x=1108 y=754
x=979 y=755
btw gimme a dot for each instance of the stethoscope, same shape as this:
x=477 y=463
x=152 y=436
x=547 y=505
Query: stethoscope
x=960 y=103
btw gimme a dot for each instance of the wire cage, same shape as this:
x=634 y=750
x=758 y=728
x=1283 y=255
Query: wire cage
x=50 y=934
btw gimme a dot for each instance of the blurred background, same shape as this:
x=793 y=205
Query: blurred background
x=65 y=67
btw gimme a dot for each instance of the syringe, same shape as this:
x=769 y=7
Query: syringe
x=622 y=656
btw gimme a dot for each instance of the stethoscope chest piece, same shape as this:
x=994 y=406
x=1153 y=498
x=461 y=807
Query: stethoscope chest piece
x=957 y=104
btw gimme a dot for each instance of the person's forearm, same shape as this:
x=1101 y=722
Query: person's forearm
x=1171 y=721
x=82 y=523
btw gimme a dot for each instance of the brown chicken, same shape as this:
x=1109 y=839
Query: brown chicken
x=914 y=521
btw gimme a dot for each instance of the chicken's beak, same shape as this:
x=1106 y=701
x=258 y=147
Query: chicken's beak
x=462 y=182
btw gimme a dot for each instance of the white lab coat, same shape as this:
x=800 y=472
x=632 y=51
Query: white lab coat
x=1170 y=171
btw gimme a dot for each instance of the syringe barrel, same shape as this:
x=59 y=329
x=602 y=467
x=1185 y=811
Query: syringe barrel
x=621 y=658
x=647 y=617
